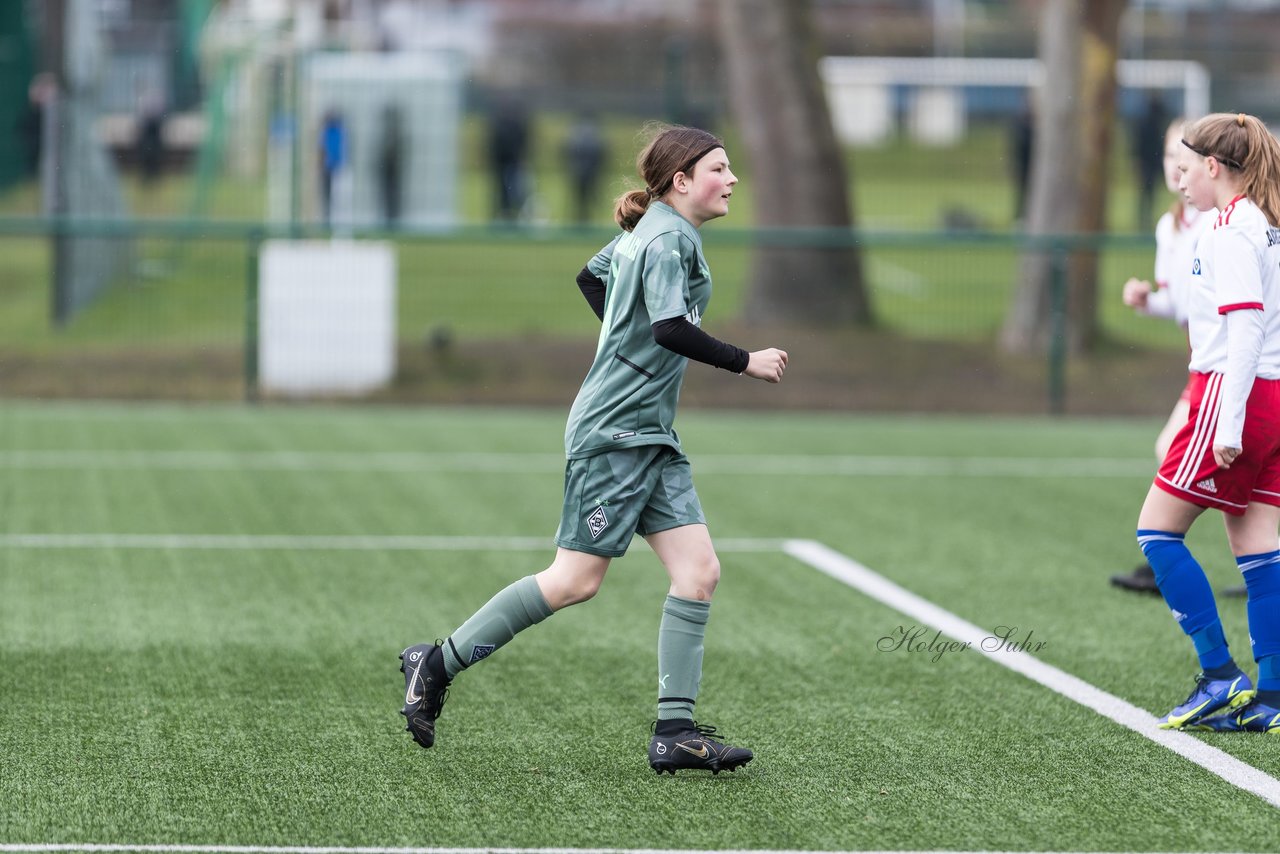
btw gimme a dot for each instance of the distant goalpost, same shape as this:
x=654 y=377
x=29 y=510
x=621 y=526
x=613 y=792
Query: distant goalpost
x=935 y=96
x=78 y=179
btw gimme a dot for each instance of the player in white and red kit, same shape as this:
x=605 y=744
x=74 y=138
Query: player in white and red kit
x=1227 y=455
x=1176 y=235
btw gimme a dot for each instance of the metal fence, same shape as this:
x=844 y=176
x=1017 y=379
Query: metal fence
x=492 y=315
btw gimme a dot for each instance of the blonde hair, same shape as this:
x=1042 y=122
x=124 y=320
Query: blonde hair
x=672 y=149
x=1243 y=144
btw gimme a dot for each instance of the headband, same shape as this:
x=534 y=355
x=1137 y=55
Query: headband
x=1226 y=161
x=686 y=169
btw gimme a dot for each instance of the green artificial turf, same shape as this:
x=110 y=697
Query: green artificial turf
x=242 y=689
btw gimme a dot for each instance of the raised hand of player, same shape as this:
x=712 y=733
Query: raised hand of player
x=1136 y=292
x=767 y=365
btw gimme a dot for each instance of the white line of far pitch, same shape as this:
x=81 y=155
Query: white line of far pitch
x=838 y=465
x=93 y=848
x=849 y=571
x=318 y=542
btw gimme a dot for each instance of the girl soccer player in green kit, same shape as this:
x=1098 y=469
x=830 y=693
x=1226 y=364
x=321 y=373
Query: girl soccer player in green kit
x=626 y=473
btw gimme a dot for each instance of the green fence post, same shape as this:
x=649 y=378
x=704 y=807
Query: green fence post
x=254 y=241
x=1058 y=258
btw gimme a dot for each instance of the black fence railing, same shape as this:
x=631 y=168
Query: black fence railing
x=477 y=309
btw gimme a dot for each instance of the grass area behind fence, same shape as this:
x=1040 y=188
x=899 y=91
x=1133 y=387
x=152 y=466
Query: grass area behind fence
x=186 y=297
x=504 y=284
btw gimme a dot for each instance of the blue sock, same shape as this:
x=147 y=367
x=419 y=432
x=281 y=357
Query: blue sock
x=1187 y=592
x=1262 y=581
x=1269 y=674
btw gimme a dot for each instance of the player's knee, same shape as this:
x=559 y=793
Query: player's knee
x=1166 y=551
x=697 y=579
x=584 y=587
x=1261 y=572
x=565 y=585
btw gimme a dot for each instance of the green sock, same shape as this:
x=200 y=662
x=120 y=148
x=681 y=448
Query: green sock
x=513 y=609
x=680 y=634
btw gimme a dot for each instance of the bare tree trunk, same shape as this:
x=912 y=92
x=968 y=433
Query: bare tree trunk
x=1075 y=115
x=798 y=172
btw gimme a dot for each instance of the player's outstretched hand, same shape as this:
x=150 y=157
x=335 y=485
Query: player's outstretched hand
x=767 y=365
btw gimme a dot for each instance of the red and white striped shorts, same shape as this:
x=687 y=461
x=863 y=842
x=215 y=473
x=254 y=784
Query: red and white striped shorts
x=1189 y=471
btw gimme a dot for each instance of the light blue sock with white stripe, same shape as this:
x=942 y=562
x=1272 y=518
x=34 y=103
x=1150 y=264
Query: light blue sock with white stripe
x=1187 y=592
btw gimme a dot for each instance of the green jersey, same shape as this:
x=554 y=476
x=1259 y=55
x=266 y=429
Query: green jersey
x=656 y=272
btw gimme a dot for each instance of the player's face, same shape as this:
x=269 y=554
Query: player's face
x=1196 y=185
x=710 y=187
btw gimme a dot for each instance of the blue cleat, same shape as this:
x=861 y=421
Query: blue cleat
x=1254 y=717
x=1210 y=697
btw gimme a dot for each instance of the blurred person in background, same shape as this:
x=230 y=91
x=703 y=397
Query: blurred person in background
x=1227 y=454
x=149 y=141
x=391 y=152
x=1176 y=235
x=1021 y=140
x=41 y=92
x=1148 y=138
x=626 y=472
x=333 y=160
x=508 y=151
x=584 y=156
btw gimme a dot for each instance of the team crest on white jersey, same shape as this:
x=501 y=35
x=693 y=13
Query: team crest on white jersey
x=597 y=522
x=1195 y=267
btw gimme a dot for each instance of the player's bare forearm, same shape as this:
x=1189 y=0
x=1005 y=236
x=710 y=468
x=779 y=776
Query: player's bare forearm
x=767 y=365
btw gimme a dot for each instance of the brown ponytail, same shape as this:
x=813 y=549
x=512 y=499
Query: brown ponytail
x=629 y=207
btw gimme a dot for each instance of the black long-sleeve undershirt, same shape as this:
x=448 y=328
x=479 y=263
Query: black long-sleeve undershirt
x=680 y=336
x=592 y=287
x=675 y=334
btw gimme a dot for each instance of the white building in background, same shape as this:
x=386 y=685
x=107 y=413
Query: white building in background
x=285 y=63
x=862 y=90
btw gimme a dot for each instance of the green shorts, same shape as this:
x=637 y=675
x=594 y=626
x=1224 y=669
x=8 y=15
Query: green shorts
x=610 y=497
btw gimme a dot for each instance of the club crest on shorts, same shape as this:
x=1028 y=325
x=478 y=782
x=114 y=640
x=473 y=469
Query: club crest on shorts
x=597 y=522
x=481 y=650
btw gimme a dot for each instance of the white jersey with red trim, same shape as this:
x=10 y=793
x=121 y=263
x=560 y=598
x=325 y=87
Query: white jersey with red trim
x=1175 y=254
x=1236 y=266
x=1238 y=292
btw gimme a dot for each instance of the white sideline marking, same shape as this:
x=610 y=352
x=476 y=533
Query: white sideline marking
x=304 y=542
x=271 y=541
x=807 y=465
x=302 y=849
x=845 y=569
